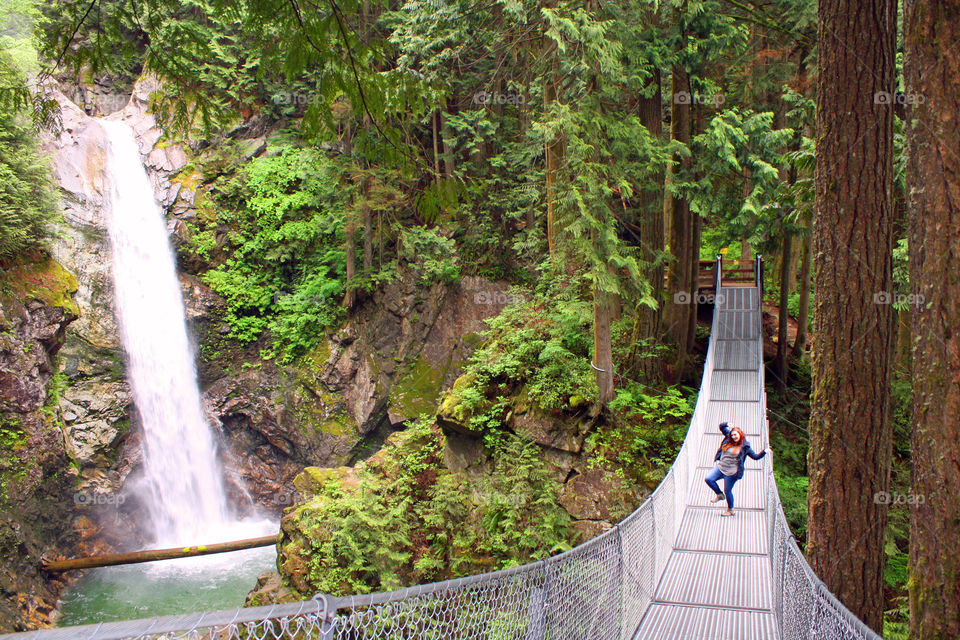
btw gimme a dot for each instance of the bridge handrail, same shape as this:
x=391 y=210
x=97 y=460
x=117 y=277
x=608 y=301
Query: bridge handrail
x=597 y=590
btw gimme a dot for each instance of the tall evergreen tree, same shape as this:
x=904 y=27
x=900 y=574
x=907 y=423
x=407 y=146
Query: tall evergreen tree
x=932 y=70
x=850 y=437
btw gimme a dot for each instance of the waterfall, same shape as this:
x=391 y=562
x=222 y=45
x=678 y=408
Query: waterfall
x=184 y=486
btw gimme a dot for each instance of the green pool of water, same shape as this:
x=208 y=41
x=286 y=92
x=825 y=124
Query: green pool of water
x=206 y=583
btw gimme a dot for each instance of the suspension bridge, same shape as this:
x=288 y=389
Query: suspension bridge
x=672 y=570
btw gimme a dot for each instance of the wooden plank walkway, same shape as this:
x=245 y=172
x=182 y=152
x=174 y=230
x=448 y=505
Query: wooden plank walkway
x=717 y=582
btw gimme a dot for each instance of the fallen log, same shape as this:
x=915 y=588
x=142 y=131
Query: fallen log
x=152 y=555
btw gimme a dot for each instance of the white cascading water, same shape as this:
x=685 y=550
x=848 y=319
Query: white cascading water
x=183 y=476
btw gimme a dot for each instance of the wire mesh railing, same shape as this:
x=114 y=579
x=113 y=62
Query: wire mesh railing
x=599 y=590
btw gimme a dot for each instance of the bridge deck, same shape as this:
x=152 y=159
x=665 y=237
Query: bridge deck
x=717 y=583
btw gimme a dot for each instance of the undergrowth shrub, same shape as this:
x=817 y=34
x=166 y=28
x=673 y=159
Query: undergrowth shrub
x=407 y=519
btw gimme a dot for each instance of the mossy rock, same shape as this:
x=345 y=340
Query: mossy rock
x=416 y=390
x=453 y=412
x=41 y=279
x=314 y=481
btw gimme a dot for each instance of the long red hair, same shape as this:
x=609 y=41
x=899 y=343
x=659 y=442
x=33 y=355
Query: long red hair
x=729 y=443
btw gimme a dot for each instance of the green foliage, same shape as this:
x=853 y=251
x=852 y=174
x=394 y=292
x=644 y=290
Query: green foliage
x=27 y=201
x=284 y=269
x=430 y=254
x=12 y=436
x=59 y=382
x=739 y=149
x=406 y=519
x=362 y=541
x=538 y=348
x=222 y=59
x=518 y=507
x=793 y=496
x=646 y=432
x=17 y=18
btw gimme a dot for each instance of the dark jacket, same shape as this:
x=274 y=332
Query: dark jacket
x=745 y=450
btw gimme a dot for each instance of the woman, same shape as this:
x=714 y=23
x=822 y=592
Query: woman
x=730 y=457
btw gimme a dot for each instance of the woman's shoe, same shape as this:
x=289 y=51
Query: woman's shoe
x=717 y=497
x=728 y=512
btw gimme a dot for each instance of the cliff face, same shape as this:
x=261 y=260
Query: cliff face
x=314 y=434
x=37 y=482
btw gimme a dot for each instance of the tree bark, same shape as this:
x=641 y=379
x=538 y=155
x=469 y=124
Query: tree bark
x=694 y=281
x=850 y=438
x=436 y=145
x=367 y=237
x=553 y=152
x=603 y=306
x=679 y=297
x=746 y=252
x=781 y=362
x=449 y=160
x=932 y=70
x=803 y=315
x=350 y=251
x=794 y=264
x=651 y=242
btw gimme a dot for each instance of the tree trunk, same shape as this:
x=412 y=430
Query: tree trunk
x=651 y=243
x=694 y=281
x=676 y=314
x=795 y=251
x=933 y=177
x=850 y=439
x=603 y=307
x=152 y=555
x=554 y=154
x=350 y=251
x=349 y=233
x=781 y=363
x=367 y=237
x=745 y=251
x=446 y=135
x=436 y=146
x=803 y=315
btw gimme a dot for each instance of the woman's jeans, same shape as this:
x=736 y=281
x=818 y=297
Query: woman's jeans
x=728 y=482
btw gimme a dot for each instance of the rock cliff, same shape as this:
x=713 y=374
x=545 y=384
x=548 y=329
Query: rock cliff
x=37 y=482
